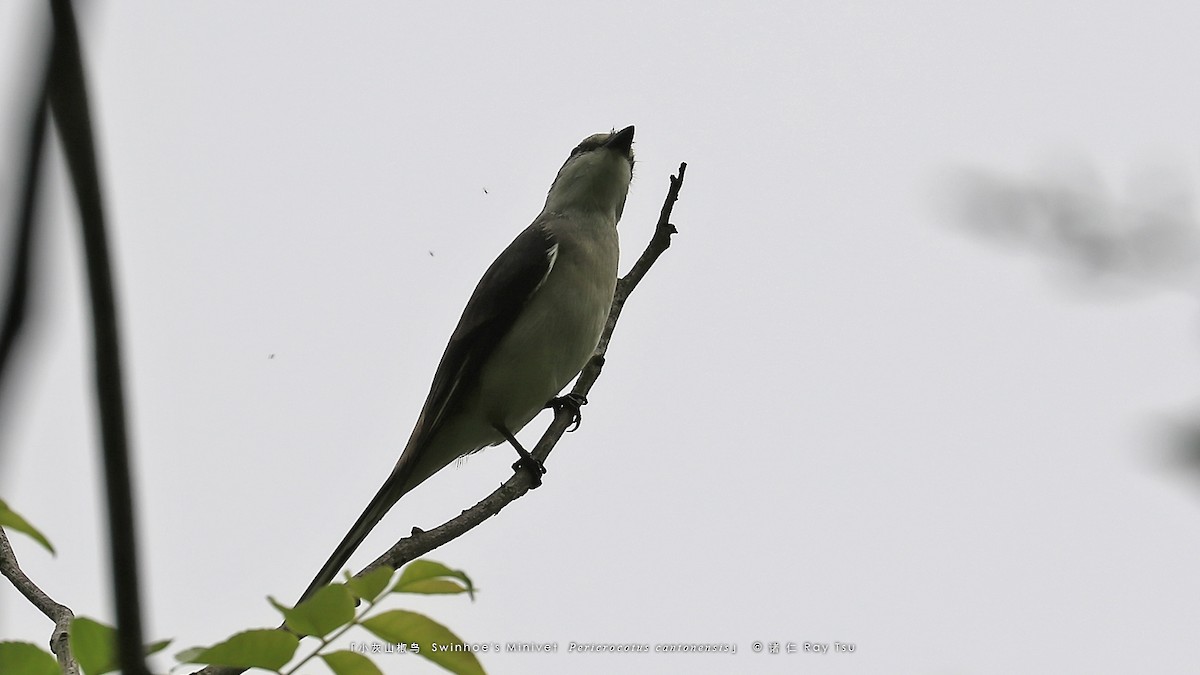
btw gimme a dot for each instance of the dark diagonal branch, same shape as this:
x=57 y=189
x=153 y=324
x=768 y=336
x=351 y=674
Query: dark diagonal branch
x=15 y=307
x=61 y=615
x=69 y=105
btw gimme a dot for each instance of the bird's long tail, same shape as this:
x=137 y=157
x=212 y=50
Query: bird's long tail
x=381 y=503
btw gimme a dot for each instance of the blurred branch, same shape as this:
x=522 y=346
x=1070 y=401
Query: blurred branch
x=61 y=615
x=1153 y=234
x=421 y=542
x=1182 y=451
x=69 y=105
x=15 y=307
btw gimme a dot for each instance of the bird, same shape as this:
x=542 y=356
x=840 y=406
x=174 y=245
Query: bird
x=529 y=328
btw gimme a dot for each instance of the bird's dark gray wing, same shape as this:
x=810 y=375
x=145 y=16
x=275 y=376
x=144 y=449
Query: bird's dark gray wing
x=496 y=303
x=503 y=291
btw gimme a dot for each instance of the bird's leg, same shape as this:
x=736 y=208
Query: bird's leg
x=527 y=462
x=571 y=402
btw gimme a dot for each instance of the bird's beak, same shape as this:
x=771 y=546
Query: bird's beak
x=622 y=140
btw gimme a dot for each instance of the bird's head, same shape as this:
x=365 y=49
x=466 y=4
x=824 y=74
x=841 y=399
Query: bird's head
x=596 y=176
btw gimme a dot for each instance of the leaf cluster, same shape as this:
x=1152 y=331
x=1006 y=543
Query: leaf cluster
x=328 y=615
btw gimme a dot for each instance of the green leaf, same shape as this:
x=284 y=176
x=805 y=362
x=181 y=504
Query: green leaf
x=12 y=520
x=350 y=663
x=156 y=647
x=435 y=587
x=436 y=641
x=27 y=659
x=190 y=654
x=370 y=585
x=419 y=571
x=261 y=648
x=330 y=608
x=94 y=646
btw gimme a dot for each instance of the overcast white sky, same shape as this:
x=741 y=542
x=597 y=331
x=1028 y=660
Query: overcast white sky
x=827 y=415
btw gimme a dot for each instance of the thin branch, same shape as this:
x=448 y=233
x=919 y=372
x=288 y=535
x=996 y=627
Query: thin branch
x=69 y=104
x=659 y=242
x=61 y=615
x=421 y=542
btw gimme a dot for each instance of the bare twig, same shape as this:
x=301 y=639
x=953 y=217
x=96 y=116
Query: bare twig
x=69 y=105
x=421 y=542
x=61 y=615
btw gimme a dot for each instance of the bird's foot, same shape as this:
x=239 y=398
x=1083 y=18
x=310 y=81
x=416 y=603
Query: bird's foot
x=527 y=462
x=530 y=463
x=572 y=403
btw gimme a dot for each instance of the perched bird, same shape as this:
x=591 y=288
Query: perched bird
x=530 y=326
